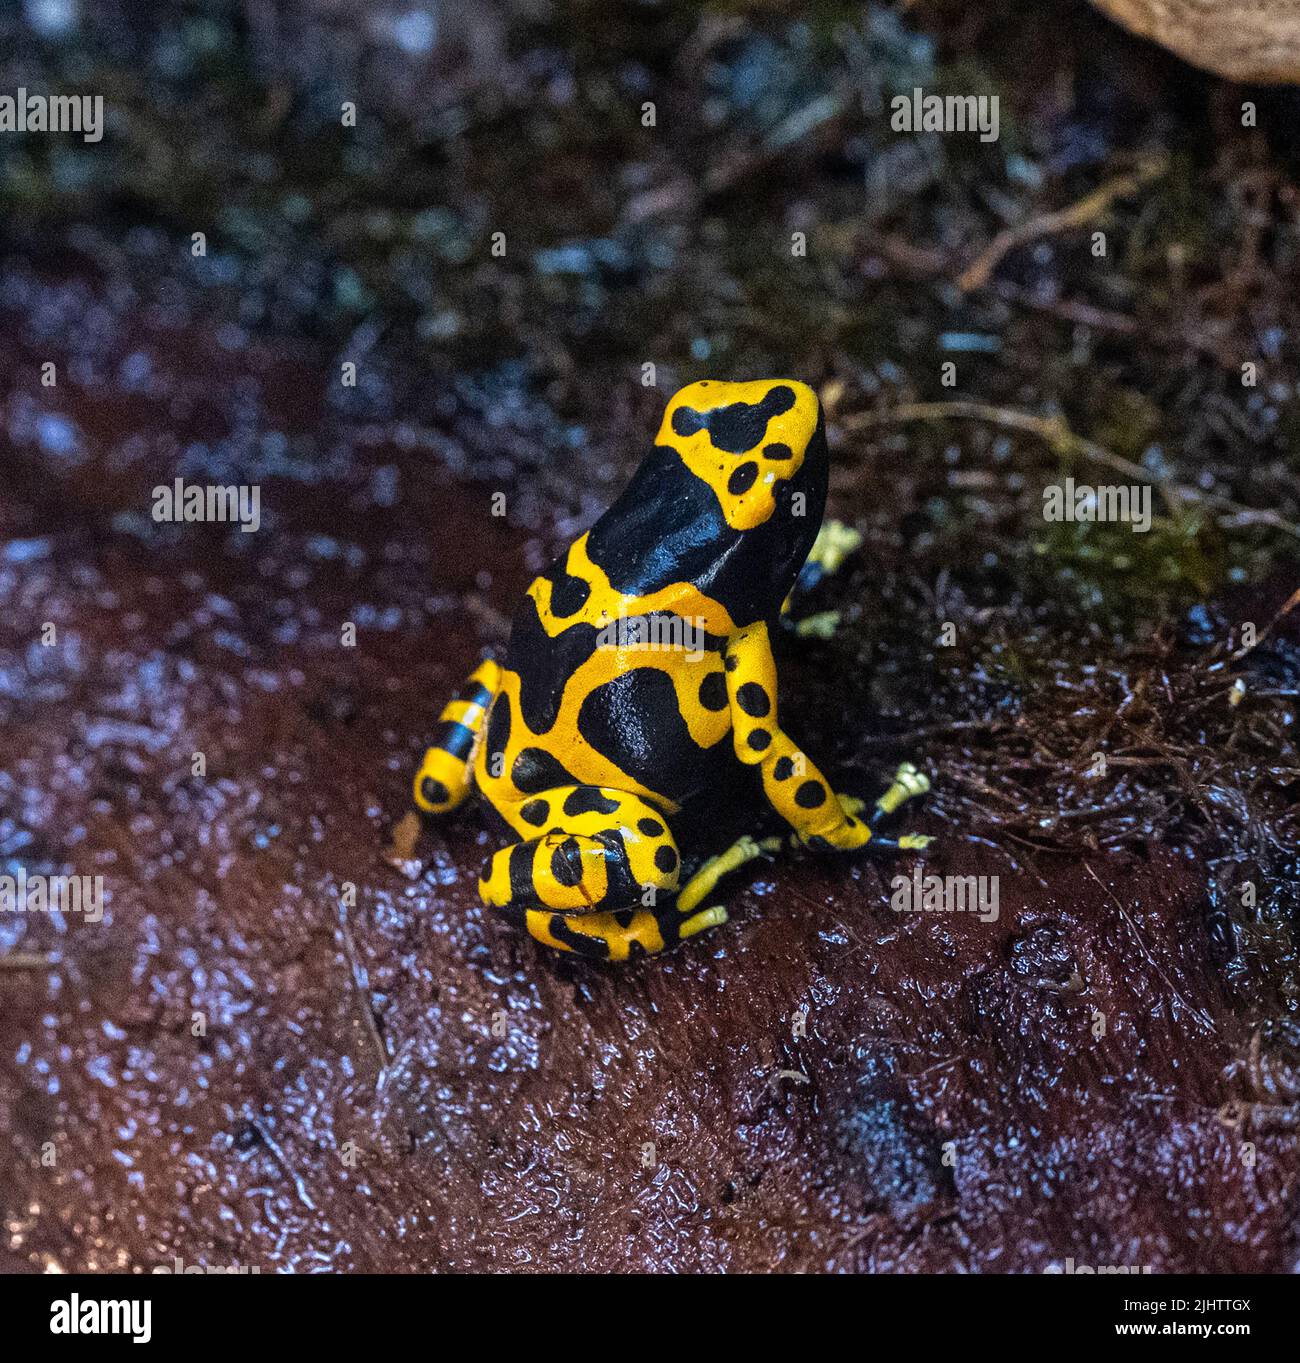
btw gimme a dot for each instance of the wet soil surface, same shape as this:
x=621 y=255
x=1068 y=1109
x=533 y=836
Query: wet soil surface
x=282 y=1047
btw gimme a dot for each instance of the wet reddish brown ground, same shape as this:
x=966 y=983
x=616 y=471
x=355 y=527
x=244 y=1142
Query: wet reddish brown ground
x=821 y=1084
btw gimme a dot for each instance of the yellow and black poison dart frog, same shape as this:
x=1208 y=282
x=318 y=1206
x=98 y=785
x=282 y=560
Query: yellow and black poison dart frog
x=589 y=740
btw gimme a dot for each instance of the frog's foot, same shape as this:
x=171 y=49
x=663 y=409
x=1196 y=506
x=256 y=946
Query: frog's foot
x=820 y=625
x=799 y=792
x=907 y=842
x=834 y=543
x=443 y=780
x=702 y=883
x=908 y=783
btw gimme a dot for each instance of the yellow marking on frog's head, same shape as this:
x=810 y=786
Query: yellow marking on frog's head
x=742 y=439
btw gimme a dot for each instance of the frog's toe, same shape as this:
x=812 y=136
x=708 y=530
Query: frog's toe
x=700 y=922
x=820 y=625
x=908 y=842
x=441 y=784
x=908 y=783
x=706 y=877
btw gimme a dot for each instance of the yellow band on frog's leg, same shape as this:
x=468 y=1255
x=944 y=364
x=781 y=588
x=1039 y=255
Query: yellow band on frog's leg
x=802 y=796
x=791 y=781
x=444 y=778
x=821 y=625
x=834 y=543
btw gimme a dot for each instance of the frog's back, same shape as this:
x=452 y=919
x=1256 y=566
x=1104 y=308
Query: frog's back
x=614 y=674
x=623 y=690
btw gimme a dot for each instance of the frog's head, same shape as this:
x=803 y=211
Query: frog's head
x=730 y=498
x=747 y=441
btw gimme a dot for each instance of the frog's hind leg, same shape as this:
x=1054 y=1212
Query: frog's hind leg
x=834 y=543
x=584 y=849
x=443 y=780
x=597 y=877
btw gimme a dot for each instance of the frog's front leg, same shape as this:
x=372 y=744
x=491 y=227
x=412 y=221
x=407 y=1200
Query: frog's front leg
x=792 y=783
x=598 y=875
x=834 y=543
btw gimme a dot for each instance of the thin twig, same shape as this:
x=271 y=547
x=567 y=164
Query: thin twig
x=930 y=731
x=278 y=1155
x=928 y=263
x=1053 y=430
x=1287 y=607
x=797 y=1075
x=361 y=982
x=1198 y=1013
x=1085 y=210
x=26 y=960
